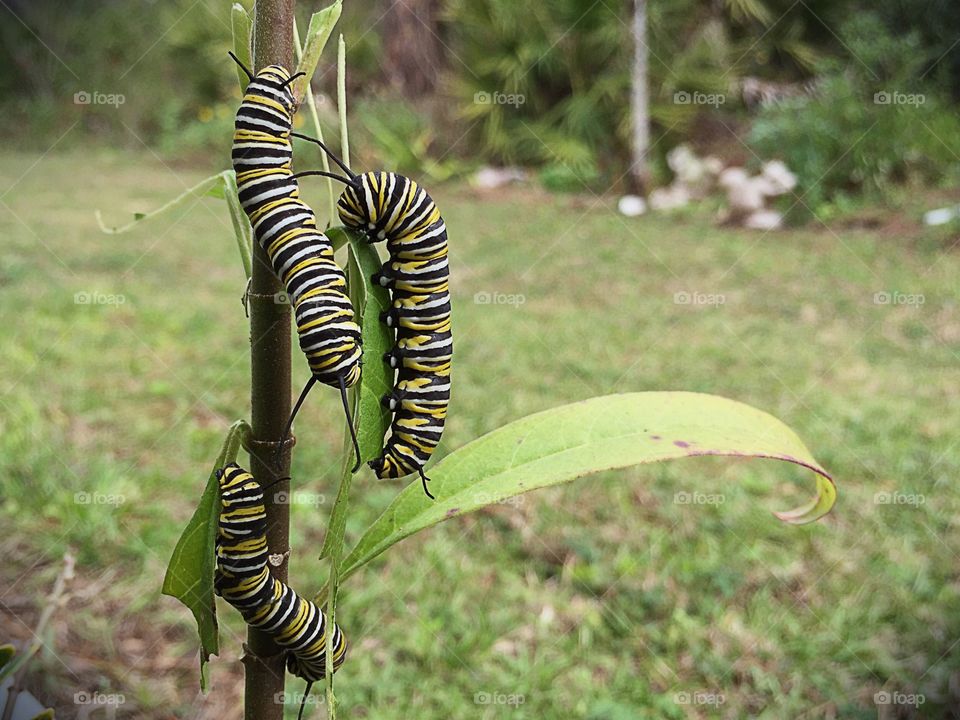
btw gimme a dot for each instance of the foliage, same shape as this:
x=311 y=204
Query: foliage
x=869 y=123
x=549 y=85
x=522 y=593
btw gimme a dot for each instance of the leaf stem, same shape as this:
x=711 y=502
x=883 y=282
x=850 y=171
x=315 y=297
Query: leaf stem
x=315 y=119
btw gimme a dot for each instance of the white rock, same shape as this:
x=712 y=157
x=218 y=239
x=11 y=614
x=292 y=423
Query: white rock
x=713 y=165
x=941 y=216
x=764 y=220
x=632 y=205
x=732 y=176
x=783 y=181
x=669 y=198
x=489 y=178
x=691 y=171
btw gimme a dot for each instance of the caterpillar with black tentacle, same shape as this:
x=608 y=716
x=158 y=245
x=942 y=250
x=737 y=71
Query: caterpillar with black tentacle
x=244 y=580
x=286 y=228
x=391 y=207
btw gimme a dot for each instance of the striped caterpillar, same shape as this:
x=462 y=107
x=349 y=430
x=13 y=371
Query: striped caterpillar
x=243 y=579
x=391 y=207
x=286 y=229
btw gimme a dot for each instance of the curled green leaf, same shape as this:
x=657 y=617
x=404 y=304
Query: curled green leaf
x=571 y=441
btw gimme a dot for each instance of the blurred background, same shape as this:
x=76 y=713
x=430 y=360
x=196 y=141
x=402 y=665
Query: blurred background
x=783 y=230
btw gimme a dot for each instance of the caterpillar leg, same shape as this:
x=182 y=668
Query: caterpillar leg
x=424 y=480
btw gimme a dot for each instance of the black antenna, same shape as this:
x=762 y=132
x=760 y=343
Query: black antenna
x=352 y=175
x=353 y=431
x=324 y=174
x=292 y=78
x=303 y=700
x=296 y=409
x=424 y=479
x=242 y=66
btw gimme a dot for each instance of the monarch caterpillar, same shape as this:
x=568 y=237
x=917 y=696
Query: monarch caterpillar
x=286 y=228
x=243 y=579
x=391 y=207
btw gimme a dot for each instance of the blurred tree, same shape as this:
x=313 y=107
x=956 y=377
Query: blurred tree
x=413 y=49
x=639 y=171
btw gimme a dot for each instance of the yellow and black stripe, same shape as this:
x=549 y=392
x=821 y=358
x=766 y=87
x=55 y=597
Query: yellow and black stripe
x=244 y=580
x=391 y=207
x=286 y=228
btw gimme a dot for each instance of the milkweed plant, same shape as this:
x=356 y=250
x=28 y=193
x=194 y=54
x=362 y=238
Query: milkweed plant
x=548 y=448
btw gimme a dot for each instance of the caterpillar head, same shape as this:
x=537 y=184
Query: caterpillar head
x=362 y=205
x=275 y=80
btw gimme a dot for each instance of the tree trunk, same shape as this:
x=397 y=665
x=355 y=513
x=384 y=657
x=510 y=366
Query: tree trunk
x=414 y=52
x=269 y=394
x=640 y=102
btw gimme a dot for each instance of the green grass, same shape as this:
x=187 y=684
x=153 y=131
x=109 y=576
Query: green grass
x=603 y=599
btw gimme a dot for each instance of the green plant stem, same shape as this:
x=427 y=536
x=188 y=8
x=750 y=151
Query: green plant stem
x=315 y=119
x=342 y=100
x=338 y=516
x=270 y=394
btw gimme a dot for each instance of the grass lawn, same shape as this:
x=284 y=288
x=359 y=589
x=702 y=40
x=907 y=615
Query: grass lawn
x=602 y=599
